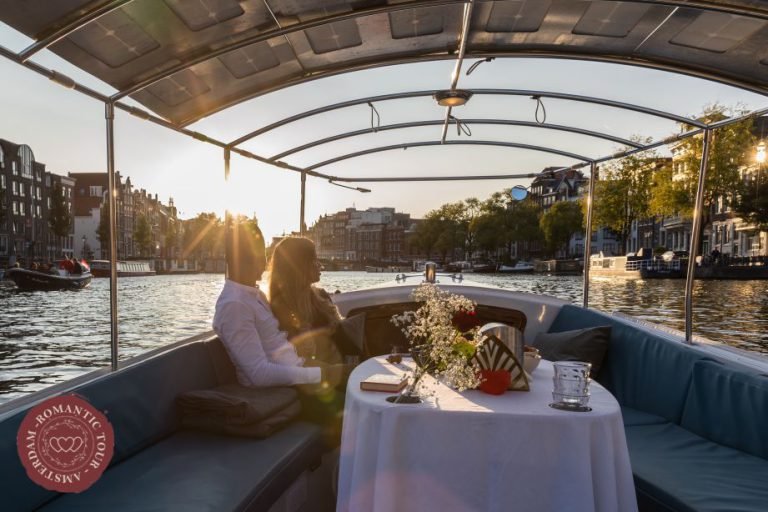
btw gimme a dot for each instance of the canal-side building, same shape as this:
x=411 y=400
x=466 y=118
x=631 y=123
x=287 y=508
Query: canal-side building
x=727 y=232
x=25 y=208
x=553 y=185
x=139 y=214
x=65 y=245
x=375 y=235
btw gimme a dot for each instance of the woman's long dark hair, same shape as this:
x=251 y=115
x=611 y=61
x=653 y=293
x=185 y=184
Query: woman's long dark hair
x=295 y=302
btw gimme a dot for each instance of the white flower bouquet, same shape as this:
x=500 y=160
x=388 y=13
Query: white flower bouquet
x=444 y=336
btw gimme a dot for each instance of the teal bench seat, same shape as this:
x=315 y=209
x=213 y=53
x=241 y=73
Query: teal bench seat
x=696 y=427
x=158 y=466
x=196 y=471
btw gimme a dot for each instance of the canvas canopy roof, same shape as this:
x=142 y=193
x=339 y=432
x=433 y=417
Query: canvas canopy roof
x=185 y=60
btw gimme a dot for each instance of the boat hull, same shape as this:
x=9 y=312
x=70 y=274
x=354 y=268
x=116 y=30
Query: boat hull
x=33 y=280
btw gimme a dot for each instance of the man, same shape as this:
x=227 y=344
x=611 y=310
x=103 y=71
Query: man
x=260 y=352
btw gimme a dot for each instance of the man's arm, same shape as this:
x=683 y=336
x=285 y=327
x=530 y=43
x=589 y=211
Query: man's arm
x=235 y=325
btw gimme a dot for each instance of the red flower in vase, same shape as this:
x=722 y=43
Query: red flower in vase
x=465 y=320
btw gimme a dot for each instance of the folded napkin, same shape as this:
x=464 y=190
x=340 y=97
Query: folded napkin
x=238 y=410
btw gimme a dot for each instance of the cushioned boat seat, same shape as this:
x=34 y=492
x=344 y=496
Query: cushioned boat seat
x=729 y=406
x=642 y=370
x=193 y=471
x=634 y=417
x=677 y=470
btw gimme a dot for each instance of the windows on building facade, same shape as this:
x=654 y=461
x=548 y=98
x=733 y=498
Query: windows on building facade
x=26 y=158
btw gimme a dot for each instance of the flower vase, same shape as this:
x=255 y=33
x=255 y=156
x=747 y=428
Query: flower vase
x=409 y=395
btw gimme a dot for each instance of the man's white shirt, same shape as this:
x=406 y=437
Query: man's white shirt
x=260 y=351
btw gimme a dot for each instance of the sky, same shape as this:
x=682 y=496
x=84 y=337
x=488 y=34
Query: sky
x=66 y=131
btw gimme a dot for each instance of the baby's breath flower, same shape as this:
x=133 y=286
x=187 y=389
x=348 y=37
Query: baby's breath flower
x=445 y=350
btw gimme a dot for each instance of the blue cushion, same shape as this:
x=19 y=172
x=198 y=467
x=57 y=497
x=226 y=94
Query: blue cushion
x=138 y=401
x=634 y=417
x=729 y=406
x=194 y=471
x=642 y=370
x=687 y=472
x=17 y=490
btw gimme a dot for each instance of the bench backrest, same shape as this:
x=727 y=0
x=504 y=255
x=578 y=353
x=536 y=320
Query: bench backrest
x=728 y=405
x=139 y=402
x=381 y=334
x=642 y=369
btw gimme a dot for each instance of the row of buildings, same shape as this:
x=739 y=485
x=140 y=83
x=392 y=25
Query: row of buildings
x=375 y=235
x=725 y=232
x=28 y=209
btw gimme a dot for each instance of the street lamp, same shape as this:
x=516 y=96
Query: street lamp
x=760 y=153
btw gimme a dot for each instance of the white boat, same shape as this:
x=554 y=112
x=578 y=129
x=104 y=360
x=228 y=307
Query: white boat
x=634 y=267
x=521 y=267
x=100 y=268
x=694 y=412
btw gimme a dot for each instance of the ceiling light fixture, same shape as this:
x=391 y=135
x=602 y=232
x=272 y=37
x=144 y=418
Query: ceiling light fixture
x=452 y=98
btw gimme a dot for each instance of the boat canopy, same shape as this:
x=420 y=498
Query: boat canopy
x=186 y=60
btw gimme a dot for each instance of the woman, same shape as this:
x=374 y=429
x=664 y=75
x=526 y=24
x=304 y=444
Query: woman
x=305 y=311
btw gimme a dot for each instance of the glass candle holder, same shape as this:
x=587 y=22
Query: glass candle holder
x=571 y=383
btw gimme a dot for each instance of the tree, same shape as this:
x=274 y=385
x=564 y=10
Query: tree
x=562 y=221
x=427 y=233
x=59 y=219
x=623 y=192
x=452 y=228
x=203 y=236
x=142 y=235
x=522 y=224
x=752 y=203
x=488 y=226
x=667 y=194
x=727 y=156
x=471 y=211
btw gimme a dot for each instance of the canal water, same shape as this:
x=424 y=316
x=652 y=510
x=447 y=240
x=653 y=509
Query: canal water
x=48 y=337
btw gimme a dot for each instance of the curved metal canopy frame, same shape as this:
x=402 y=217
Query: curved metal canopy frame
x=607 y=59
x=448 y=143
x=434 y=122
x=502 y=92
x=198 y=58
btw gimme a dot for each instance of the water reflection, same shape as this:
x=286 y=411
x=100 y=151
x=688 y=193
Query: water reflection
x=48 y=337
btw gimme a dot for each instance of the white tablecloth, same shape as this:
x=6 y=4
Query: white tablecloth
x=474 y=451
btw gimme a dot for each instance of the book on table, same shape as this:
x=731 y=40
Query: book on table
x=384 y=382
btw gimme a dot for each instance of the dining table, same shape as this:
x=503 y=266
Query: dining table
x=472 y=451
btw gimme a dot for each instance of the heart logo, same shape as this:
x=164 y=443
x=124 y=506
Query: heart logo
x=66 y=444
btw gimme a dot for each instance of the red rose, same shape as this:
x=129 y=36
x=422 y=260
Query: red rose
x=465 y=320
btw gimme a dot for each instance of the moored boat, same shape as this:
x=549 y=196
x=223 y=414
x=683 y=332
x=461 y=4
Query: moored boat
x=56 y=279
x=521 y=267
x=100 y=268
x=633 y=267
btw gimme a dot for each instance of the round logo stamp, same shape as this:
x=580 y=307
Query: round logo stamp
x=65 y=444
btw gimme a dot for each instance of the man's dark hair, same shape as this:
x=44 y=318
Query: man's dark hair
x=245 y=246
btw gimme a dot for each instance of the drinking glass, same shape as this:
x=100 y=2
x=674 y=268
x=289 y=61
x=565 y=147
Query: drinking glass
x=571 y=383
